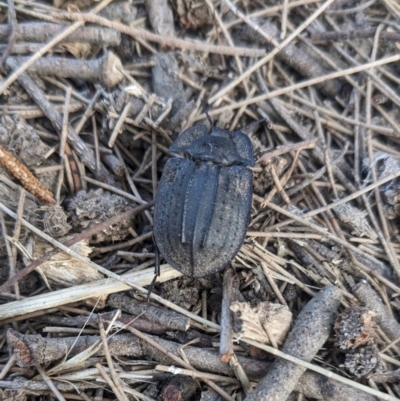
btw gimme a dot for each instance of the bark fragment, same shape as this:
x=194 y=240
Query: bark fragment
x=309 y=333
x=249 y=321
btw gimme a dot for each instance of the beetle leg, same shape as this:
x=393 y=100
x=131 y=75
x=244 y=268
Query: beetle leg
x=204 y=106
x=153 y=282
x=157 y=269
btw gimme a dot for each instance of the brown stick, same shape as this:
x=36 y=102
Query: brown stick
x=311 y=330
x=20 y=383
x=310 y=384
x=28 y=180
x=47 y=47
x=45 y=31
x=226 y=336
x=323 y=37
x=11 y=32
x=138 y=33
x=104 y=70
x=169 y=319
x=368 y=297
x=79 y=321
x=290 y=147
x=114 y=164
x=33 y=349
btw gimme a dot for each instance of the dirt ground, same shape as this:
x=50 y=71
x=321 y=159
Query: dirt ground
x=93 y=94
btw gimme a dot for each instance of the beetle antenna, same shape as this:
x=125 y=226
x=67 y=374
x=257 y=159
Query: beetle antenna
x=206 y=113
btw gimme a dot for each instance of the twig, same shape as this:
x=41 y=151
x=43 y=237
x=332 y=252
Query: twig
x=284 y=18
x=12 y=32
x=17 y=232
x=94 y=289
x=385 y=89
x=27 y=179
x=47 y=47
x=359 y=8
x=272 y=283
x=97 y=146
x=67 y=250
x=104 y=70
x=291 y=147
x=323 y=37
x=45 y=31
x=355 y=85
x=88 y=112
x=265 y=11
x=226 y=336
x=169 y=319
x=154 y=162
x=118 y=125
x=240 y=373
x=10 y=363
x=323 y=145
x=115 y=190
x=120 y=396
x=63 y=139
x=337 y=116
x=138 y=33
x=179 y=361
x=9 y=250
x=195 y=374
x=303 y=134
x=136 y=240
x=275 y=267
x=130 y=181
x=50 y=383
x=114 y=383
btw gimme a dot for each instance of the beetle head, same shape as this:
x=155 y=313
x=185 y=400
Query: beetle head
x=219 y=146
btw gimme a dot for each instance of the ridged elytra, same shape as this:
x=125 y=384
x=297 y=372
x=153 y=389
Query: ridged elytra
x=203 y=201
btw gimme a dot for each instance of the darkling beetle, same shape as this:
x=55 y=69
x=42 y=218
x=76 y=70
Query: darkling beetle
x=203 y=202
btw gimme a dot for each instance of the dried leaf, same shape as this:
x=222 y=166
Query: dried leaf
x=249 y=321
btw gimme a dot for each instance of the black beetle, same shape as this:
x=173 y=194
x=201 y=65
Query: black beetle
x=203 y=203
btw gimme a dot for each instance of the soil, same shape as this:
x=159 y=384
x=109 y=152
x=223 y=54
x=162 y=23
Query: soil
x=92 y=96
